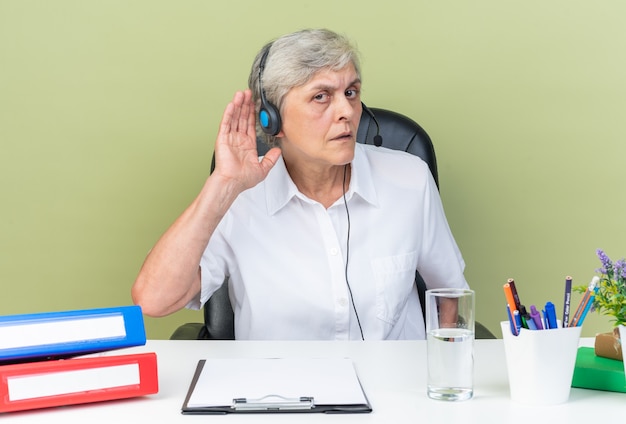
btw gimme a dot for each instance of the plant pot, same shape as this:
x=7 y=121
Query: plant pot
x=609 y=345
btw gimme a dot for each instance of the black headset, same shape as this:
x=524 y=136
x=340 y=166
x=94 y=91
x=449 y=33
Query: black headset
x=269 y=116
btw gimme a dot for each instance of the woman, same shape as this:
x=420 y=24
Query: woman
x=319 y=239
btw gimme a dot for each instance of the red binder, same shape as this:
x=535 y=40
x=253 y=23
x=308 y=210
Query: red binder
x=34 y=385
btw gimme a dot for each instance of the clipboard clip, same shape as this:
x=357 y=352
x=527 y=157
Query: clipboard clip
x=273 y=403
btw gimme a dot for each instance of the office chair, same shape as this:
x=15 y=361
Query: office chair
x=399 y=133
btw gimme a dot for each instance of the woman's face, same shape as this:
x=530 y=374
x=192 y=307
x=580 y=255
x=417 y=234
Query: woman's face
x=320 y=119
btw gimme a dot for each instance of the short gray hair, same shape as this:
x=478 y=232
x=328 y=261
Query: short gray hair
x=294 y=59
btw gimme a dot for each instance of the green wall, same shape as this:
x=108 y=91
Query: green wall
x=108 y=112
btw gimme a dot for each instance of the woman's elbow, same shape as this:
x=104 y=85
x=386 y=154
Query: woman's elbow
x=143 y=297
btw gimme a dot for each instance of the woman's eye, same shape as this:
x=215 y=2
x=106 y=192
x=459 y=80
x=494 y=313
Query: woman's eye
x=351 y=94
x=321 y=97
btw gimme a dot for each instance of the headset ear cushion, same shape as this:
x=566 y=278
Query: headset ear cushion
x=269 y=118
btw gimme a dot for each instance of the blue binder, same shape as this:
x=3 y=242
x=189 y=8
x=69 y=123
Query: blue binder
x=55 y=335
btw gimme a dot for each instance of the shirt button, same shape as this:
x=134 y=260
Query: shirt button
x=334 y=251
x=343 y=301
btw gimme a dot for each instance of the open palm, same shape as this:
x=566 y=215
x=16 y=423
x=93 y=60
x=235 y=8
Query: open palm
x=236 y=156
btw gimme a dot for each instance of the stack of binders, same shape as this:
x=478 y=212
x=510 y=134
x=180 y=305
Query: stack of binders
x=62 y=358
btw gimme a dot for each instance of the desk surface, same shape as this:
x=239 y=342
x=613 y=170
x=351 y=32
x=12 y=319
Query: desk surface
x=393 y=374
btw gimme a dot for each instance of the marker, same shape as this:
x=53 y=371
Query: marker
x=536 y=317
x=567 y=300
x=550 y=314
x=525 y=317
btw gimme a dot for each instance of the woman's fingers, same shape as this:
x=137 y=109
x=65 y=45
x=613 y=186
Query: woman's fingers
x=239 y=115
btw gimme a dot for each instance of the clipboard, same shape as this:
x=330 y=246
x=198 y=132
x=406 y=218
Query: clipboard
x=275 y=385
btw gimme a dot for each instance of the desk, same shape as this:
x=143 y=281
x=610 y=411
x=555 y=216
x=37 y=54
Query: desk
x=393 y=374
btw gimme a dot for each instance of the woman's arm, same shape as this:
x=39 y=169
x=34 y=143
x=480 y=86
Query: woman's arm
x=170 y=275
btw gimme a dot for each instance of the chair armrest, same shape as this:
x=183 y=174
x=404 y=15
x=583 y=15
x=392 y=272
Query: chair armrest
x=482 y=332
x=189 y=331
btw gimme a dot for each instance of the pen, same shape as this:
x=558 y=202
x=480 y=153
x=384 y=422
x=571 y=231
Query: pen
x=550 y=316
x=567 y=300
x=518 y=320
x=510 y=298
x=583 y=303
x=536 y=317
x=524 y=316
x=592 y=296
x=527 y=321
x=515 y=295
x=511 y=321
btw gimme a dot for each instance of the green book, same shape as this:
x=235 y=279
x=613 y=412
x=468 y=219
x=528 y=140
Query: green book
x=598 y=373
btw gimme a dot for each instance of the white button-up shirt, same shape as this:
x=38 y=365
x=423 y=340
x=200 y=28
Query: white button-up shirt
x=287 y=257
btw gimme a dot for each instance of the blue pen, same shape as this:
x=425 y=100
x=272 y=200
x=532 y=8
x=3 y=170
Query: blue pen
x=518 y=320
x=511 y=320
x=550 y=316
x=536 y=317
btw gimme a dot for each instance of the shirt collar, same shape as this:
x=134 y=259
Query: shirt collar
x=280 y=189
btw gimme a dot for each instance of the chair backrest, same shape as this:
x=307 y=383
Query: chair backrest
x=398 y=132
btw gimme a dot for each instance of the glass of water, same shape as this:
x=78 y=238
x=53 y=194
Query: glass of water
x=450 y=343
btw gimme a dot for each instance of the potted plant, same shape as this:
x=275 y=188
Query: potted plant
x=610 y=299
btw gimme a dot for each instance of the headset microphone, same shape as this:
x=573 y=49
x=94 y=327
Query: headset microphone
x=378 y=139
x=269 y=116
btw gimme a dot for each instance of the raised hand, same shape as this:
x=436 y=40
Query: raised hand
x=236 y=156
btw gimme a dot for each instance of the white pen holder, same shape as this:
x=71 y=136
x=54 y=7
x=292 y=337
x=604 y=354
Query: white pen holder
x=540 y=363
